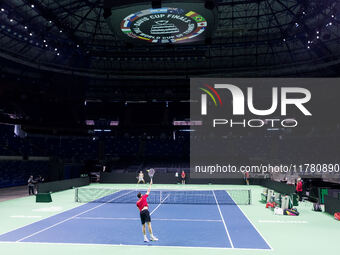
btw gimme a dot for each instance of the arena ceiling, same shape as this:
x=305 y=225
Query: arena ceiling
x=252 y=38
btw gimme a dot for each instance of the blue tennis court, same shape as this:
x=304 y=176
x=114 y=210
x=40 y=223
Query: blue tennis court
x=217 y=224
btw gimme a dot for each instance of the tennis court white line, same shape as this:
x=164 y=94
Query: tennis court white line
x=60 y=222
x=271 y=248
x=225 y=226
x=159 y=204
x=284 y=221
x=154 y=219
x=138 y=246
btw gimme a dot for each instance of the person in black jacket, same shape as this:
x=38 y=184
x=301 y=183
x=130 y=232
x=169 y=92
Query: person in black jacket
x=31 y=183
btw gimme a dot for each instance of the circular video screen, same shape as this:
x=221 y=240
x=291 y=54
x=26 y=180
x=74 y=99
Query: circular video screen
x=164 y=25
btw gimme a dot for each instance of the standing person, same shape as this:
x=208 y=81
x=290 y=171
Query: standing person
x=143 y=207
x=183 y=177
x=299 y=188
x=246 y=177
x=40 y=179
x=31 y=183
x=177 y=177
x=140 y=177
x=36 y=182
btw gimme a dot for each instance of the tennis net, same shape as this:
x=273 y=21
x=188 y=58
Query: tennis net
x=222 y=197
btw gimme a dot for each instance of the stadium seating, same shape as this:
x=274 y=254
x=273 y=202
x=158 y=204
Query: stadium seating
x=132 y=153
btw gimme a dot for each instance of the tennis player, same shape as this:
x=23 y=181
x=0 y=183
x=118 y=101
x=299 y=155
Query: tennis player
x=143 y=207
x=183 y=177
x=140 y=177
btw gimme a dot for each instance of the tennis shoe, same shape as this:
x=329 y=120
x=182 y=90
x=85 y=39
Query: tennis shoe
x=146 y=239
x=153 y=238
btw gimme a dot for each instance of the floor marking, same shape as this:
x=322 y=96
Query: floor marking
x=271 y=248
x=48 y=209
x=154 y=219
x=140 y=246
x=60 y=222
x=26 y=216
x=225 y=226
x=284 y=221
x=159 y=204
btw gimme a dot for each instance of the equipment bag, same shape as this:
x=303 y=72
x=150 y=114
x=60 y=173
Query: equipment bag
x=271 y=205
x=278 y=211
x=317 y=207
x=291 y=212
x=337 y=216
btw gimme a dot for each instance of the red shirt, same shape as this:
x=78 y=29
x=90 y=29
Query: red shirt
x=299 y=186
x=183 y=174
x=142 y=202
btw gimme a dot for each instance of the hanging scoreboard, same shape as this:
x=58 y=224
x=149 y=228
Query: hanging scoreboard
x=174 y=22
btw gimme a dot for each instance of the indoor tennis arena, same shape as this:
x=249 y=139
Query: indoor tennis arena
x=169 y=127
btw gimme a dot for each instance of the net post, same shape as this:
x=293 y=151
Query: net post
x=76 y=195
x=249 y=195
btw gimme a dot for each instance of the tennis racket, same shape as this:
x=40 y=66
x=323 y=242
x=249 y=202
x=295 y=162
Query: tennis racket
x=151 y=172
